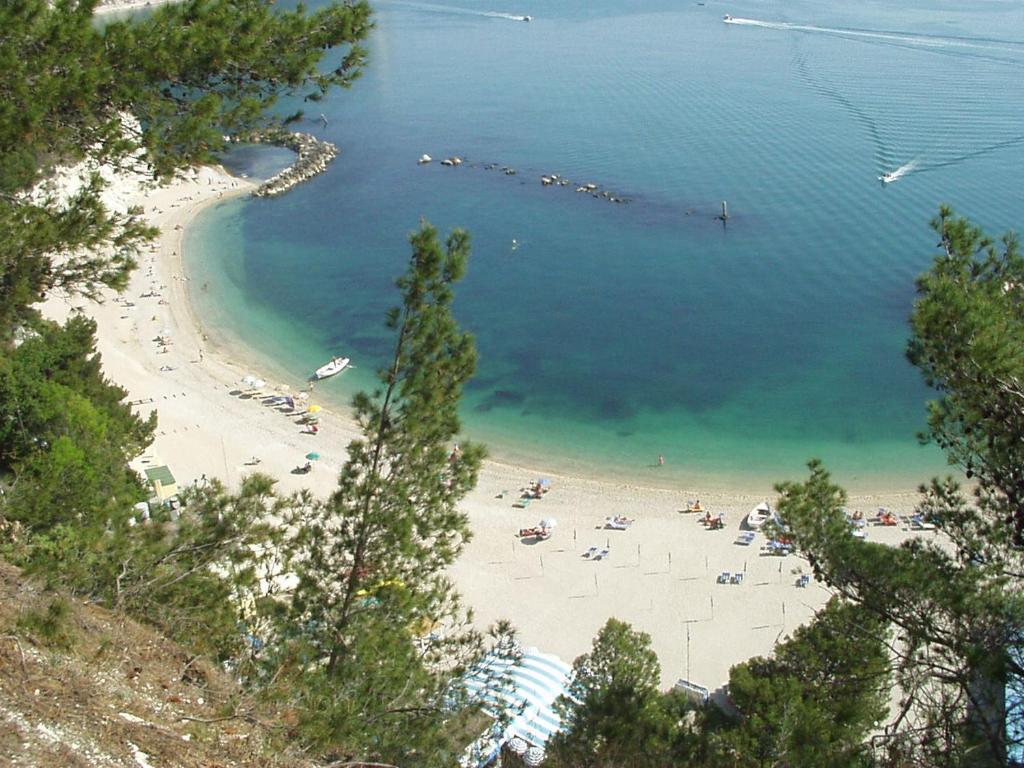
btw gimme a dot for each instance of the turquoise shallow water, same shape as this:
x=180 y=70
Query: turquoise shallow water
x=614 y=333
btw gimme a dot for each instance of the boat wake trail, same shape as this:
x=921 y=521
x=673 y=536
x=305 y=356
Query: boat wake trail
x=438 y=8
x=509 y=16
x=899 y=173
x=861 y=115
x=932 y=42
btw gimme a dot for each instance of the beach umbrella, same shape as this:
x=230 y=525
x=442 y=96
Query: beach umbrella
x=258 y=384
x=312 y=455
x=548 y=522
x=249 y=381
x=314 y=408
x=534 y=756
x=517 y=745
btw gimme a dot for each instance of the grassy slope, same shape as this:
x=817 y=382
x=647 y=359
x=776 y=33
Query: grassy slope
x=100 y=690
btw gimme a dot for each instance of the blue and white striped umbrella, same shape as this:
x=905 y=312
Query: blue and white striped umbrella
x=522 y=689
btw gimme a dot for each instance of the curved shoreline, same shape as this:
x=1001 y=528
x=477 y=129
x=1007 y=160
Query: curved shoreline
x=660 y=574
x=513 y=457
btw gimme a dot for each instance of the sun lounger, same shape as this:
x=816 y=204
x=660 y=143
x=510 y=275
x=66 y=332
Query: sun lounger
x=590 y=553
x=617 y=523
x=724 y=577
x=804 y=580
x=602 y=554
x=737 y=578
x=746 y=538
x=522 y=502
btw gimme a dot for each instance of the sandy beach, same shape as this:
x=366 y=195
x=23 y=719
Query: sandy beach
x=118 y=6
x=661 y=574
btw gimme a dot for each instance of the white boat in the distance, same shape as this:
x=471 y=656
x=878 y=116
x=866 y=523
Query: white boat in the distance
x=759 y=515
x=890 y=176
x=727 y=18
x=337 y=365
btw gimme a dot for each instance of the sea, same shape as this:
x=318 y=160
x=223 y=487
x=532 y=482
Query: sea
x=627 y=322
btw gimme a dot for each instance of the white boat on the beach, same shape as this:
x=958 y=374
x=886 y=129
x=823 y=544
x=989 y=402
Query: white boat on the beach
x=337 y=365
x=759 y=515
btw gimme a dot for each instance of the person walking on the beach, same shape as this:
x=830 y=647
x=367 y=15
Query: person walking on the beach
x=661 y=461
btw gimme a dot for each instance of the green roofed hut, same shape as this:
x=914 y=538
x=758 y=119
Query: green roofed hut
x=163 y=482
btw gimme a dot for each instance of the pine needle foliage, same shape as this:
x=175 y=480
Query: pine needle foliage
x=375 y=630
x=953 y=599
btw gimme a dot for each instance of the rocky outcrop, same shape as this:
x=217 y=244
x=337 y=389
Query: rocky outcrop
x=314 y=155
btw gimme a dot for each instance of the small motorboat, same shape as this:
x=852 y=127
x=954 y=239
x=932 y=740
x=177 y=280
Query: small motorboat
x=759 y=515
x=336 y=366
x=888 y=178
x=727 y=18
x=527 y=18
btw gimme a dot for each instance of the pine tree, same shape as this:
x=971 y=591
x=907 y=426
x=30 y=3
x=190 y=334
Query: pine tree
x=374 y=627
x=614 y=714
x=815 y=700
x=954 y=600
x=156 y=94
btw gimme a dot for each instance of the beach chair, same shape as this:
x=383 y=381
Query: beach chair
x=804 y=580
x=590 y=553
x=724 y=577
x=602 y=554
x=737 y=578
x=918 y=523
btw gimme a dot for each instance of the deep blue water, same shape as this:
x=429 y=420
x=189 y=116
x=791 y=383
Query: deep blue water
x=612 y=333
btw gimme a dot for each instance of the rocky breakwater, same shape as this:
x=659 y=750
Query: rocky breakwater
x=314 y=155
